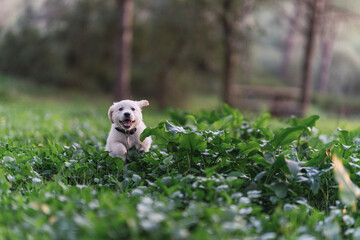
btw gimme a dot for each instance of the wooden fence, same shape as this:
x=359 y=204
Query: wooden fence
x=279 y=101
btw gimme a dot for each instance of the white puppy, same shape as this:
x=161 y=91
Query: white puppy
x=127 y=125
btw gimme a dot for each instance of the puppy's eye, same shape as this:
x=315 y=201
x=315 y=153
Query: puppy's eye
x=133 y=109
x=120 y=109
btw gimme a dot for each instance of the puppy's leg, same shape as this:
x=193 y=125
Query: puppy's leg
x=118 y=150
x=145 y=145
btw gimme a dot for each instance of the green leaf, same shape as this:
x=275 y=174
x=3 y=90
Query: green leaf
x=199 y=194
x=310 y=121
x=146 y=133
x=174 y=129
x=192 y=142
x=280 y=164
x=136 y=178
x=280 y=190
x=293 y=166
x=287 y=135
x=246 y=148
x=237 y=174
x=223 y=122
x=168 y=160
x=307 y=122
x=344 y=137
x=294 y=121
x=267 y=133
x=159 y=132
x=261 y=121
x=4 y=184
x=316 y=160
x=227 y=110
x=269 y=158
x=119 y=163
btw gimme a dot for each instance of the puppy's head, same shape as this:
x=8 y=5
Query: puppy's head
x=127 y=114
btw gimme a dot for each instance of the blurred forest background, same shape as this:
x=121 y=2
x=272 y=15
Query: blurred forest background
x=285 y=53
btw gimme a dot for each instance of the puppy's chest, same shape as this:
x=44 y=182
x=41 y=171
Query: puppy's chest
x=129 y=141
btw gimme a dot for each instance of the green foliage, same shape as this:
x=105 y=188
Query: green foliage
x=73 y=45
x=212 y=175
x=65 y=50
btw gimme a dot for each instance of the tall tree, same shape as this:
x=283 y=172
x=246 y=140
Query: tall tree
x=315 y=7
x=230 y=58
x=123 y=51
x=233 y=16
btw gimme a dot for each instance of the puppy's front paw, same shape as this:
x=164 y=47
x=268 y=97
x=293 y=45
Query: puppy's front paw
x=145 y=145
x=114 y=155
x=118 y=150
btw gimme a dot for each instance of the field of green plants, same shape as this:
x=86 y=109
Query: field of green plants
x=210 y=175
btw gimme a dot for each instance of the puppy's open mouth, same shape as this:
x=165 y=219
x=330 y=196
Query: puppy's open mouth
x=127 y=123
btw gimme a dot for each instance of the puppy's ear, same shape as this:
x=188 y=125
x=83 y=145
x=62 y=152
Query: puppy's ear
x=143 y=103
x=110 y=113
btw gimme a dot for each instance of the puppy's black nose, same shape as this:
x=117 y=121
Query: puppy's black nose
x=127 y=114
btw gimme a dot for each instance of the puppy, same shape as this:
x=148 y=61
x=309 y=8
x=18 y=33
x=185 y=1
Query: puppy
x=127 y=125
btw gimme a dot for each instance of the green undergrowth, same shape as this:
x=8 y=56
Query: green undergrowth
x=210 y=175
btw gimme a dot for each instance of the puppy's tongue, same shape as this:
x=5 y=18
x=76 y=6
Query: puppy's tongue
x=127 y=123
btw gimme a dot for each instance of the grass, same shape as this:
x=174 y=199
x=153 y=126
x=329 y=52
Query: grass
x=14 y=90
x=210 y=175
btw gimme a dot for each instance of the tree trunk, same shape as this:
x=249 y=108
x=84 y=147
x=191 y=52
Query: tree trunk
x=289 y=41
x=314 y=9
x=229 y=53
x=123 y=50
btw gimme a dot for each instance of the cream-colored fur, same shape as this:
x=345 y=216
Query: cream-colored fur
x=126 y=116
